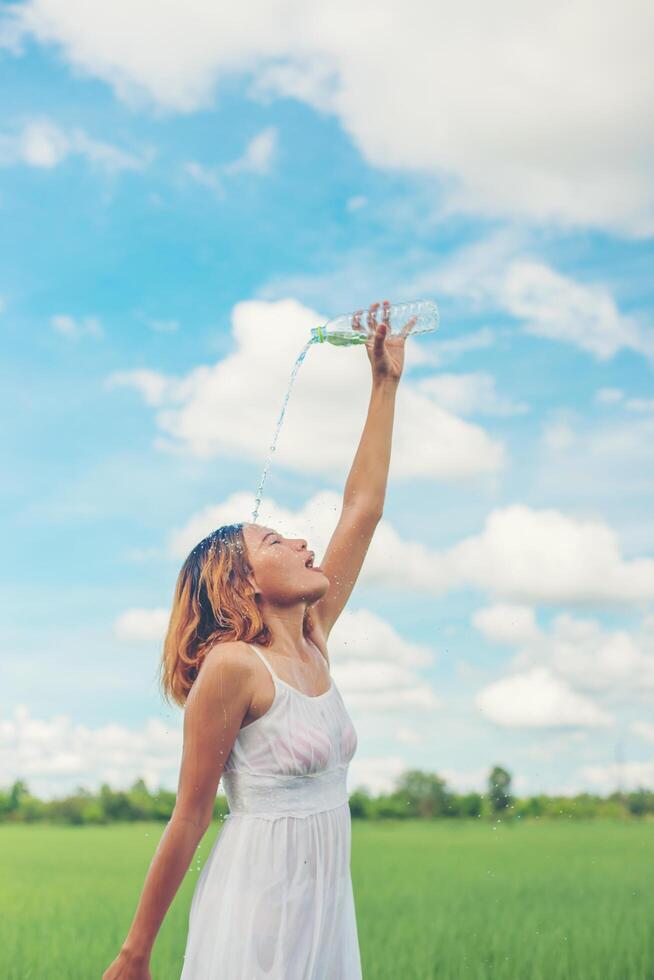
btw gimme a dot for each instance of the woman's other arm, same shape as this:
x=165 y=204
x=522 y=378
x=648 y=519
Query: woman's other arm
x=216 y=706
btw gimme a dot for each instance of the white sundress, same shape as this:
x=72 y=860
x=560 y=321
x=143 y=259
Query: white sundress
x=274 y=899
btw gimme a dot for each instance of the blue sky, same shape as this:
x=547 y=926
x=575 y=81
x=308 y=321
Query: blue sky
x=183 y=194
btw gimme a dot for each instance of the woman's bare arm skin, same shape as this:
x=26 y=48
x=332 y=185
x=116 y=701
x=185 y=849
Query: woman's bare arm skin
x=365 y=488
x=216 y=706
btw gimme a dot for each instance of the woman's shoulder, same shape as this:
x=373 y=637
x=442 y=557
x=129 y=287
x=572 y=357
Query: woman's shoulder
x=227 y=658
x=225 y=677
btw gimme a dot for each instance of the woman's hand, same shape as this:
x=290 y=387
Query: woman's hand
x=128 y=966
x=385 y=350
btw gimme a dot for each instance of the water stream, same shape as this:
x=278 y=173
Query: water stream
x=346 y=337
x=296 y=368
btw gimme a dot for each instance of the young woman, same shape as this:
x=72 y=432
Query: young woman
x=274 y=899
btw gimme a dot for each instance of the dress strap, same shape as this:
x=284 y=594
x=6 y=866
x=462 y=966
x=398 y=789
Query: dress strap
x=264 y=659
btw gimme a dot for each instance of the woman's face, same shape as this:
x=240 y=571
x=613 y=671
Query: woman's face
x=279 y=567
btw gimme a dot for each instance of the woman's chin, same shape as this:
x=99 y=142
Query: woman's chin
x=318 y=591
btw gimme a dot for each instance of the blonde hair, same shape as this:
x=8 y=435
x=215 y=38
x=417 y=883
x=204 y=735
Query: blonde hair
x=213 y=602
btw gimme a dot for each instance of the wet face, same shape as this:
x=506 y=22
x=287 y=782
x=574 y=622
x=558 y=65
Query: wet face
x=279 y=567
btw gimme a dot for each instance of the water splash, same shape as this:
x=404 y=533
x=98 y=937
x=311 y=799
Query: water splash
x=296 y=368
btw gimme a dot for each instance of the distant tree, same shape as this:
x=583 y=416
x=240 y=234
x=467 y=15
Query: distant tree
x=419 y=794
x=467 y=805
x=391 y=806
x=640 y=802
x=16 y=793
x=531 y=806
x=141 y=803
x=499 y=789
x=116 y=804
x=164 y=801
x=68 y=809
x=31 y=809
x=425 y=794
x=4 y=803
x=360 y=802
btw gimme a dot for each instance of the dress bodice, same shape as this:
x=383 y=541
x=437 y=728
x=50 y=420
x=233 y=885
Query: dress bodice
x=294 y=758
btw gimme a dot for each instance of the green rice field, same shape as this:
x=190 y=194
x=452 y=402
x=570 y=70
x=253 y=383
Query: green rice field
x=446 y=900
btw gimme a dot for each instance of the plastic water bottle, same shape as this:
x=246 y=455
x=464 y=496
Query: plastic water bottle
x=352 y=328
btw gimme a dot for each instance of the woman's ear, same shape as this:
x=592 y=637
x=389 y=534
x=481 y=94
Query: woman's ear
x=253 y=585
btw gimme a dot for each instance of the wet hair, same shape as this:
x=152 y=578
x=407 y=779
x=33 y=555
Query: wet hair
x=213 y=602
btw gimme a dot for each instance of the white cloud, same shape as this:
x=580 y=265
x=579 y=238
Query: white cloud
x=557 y=670
x=71 y=328
x=257 y=159
x=349 y=276
x=601 y=462
x=384 y=686
x=494 y=102
x=320 y=429
x=204 y=176
x=617 y=663
x=356 y=202
x=538 y=698
x=470 y=394
x=556 y=307
x=468 y=781
x=258 y=156
x=142 y=625
x=639 y=405
x=377 y=774
x=488 y=276
x=621 y=444
x=558 y=436
x=449 y=349
x=546 y=556
x=106 y=156
x=643 y=728
x=608 y=396
x=557 y=745
x=41 y=143
x=151 y=386
x=505 y=623
x=628 y=775
x=11 y=34
x=54 y=755
x=408 y=736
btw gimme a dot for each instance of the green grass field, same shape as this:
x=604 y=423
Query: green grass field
x=533 y=901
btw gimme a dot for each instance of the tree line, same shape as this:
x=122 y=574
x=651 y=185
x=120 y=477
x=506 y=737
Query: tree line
x=417 y=795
